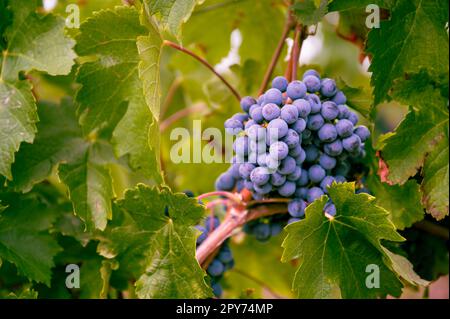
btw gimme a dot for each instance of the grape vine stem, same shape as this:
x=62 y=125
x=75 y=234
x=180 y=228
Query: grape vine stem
x=237 y=216
x=205 y=63
x=289 y=24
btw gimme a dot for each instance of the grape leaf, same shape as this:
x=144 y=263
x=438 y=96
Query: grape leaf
x=160 y=245
x=94 y=278
x=171 y=13
x=309 y=13
x=58 y=139
x=51 y=53
x=358 y=98
x=90 y=188
x=111 y=37
x=343 y=5
x=334 y=252
x=435 y=186
x=413 y=39
x=24 y=239
x=403 y=202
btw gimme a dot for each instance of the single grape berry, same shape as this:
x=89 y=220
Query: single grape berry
x=316 y=173
x=314 y=193
x=315 y=122
x=301 y=192
x=352 y=117
x=329 y=110
x=363 y=133
x=314 y=102
x=311 y=72
x=344 y=112
x=241 y=117
x=287 y=166
x=304 y=179
x=295 y=175
x=303 y=107
x=216 y=268
x=262 y=232
x=344 y=128
x=327 y=133
x=289 y=113
x=245 y=170
x=296 y=208
x=276 y=129
x=225 y=182
x=287 y=189
x=295 y=151
x=279 y=150
x=312 y=83
x=270 y=111
x=327 y=162
x=246 y=102
x=339 y=98
x=262 y=189
x=312 y=153
x=351 y=143
x=296 y=90
x=299 y=126
x=240 y=145
x=260 y=176
x=326 y=182
x=256 y=114
x=277 y=179
x=291 y=139
x=273 y=96
x=328 y=88
x=233 y=126
x=280 y=83
x=334 y=148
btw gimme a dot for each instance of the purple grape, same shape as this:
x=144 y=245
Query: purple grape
x=240 y=145
x=351 y=143
x=279 y=150
x=287 y=189
x=256 y=114
x=326 y=182
x=339 y=98
x=291 y=139
x=256 y=132
x=301 y=192
x=314 y=193
x=203 y=235
x=277 y=129
x=311 y=72
x=234 y=170
x=241 y=117
x=363 y=133
x=262 y=232
x=304 y=179
x=327 y=133
x=312 y=83
x=329 y=110
x=340 y=179
x=261 y=159
x=277 y=179
x=245 y=170
x=353 y=118
x=293 y=177
x=303 y=107
x=225 y=182
x=216 y=268
x=344 y=112
x=344 y=128
x=273 y=96
x=296 y=208
x=287 y=166
x=248 y=185
x=211 y=223
x=314 y=102
x=289 y=113
x=260 y=100
x=233 y=126
x=249 y=124
x=334 y=148
x=295 y=151
x=262 y=189
x=246 y=103
x=280 y=83
x=300 y=159
x=272 y=163
x=260 y=176
x=299 y=126
x=330 y=209
x=327 y=162
x=296 y=90
x=316 y=173
x=271 y=111
x=315 y=122
x=328 y=88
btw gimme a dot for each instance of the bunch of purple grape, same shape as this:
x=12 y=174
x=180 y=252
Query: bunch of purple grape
x=294 y=141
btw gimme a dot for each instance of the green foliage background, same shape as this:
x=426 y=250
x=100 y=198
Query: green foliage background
x=84 y=162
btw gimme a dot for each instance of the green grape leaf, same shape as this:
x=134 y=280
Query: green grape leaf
x=90 y=188
x=125 y=76
x=403 y=202
x=435 y=186
x=159 y=244
x=171 y=13
x=334 y=253
x=51 y=53
x=94 y=278
x=343 y=5
x=24 y=240
x=310 y=12
x=59 y=139
x=359 y=99
x=405 y=151
x=413 y=39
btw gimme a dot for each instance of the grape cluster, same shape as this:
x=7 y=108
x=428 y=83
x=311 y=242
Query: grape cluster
x=224 y=258
x=294 y=141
